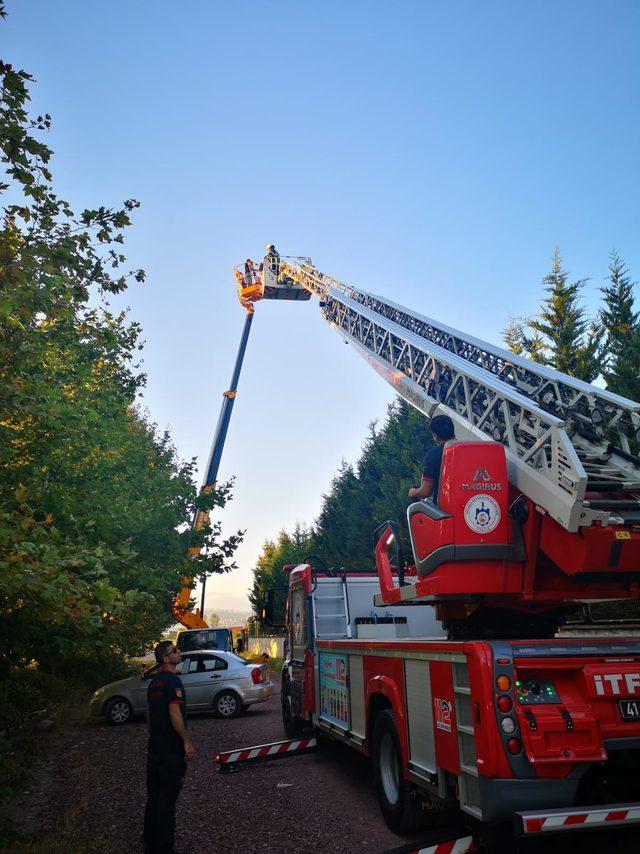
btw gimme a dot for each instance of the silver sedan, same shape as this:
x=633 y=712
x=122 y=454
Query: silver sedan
x=213 y=681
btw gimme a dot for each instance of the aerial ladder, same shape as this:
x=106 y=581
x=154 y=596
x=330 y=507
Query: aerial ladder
x=572 y=478
x=570 y=531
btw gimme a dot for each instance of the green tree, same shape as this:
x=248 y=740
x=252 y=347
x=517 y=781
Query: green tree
x=286 y=549
x=563 y=337
x=622 y=330
x=95 y=505
x=518 y=342
x=360 y=498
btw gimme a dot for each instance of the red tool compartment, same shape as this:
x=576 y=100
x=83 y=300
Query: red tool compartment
x=568 y=708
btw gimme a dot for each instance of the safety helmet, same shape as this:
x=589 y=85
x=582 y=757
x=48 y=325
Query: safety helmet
x=270 y=247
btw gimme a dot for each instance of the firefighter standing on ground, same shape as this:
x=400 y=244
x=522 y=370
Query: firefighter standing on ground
x=443 y=435
x=169 y=750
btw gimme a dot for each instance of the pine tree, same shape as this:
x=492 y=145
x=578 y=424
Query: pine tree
x=563 y=336
x=360 y=498
x=521 y=344
x=622 y=330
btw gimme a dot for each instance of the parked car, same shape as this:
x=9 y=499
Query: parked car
x=215 y=681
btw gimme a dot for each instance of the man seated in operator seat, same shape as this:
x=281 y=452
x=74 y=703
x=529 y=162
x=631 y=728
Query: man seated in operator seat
x=443 y=435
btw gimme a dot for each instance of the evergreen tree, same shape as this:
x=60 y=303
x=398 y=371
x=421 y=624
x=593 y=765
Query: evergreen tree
x=561 y=335
x=571 y=344
x=360 y=498
x=518 y=342
x=287 y=549
x=622 y=330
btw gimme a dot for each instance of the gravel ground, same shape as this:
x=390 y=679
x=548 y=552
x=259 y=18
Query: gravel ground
x=88 y=795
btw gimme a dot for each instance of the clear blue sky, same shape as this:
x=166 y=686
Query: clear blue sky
x=434 y=152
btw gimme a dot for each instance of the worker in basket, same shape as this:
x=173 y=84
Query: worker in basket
x=272 y=258
x=249 y=273
x=443 y=435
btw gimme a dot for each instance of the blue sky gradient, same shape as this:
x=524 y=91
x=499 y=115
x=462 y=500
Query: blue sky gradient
x=434 y=152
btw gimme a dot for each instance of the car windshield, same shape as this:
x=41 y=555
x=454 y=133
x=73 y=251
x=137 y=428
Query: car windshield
x=204 y=639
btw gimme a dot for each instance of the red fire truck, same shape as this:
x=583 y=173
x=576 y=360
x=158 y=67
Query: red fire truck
x=448 y=669
x=545 y=733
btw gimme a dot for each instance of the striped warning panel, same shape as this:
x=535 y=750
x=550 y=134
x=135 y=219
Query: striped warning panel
x=554 y=821
x=265 y=751
x=455 y=846
x=465 y=845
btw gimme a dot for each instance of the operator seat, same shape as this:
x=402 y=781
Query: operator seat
x=471 y=521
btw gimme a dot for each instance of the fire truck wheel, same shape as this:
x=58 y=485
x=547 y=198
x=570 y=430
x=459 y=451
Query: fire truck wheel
x=293 y=726
x=401 y=808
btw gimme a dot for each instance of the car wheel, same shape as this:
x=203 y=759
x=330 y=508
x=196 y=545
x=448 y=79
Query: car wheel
x=227 y=704
x=399 y=800
x=118 y=711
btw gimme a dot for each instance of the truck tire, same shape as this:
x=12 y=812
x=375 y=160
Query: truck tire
x=293 y=726
x=400 y=805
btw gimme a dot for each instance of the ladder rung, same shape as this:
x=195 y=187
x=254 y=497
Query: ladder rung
x=628 y=517
x=612 y=504
x=605 y=485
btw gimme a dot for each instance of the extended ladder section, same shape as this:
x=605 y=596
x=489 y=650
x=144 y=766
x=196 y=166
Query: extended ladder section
x=570 y=445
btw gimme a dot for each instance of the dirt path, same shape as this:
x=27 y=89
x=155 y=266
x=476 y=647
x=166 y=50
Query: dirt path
x=88 y=795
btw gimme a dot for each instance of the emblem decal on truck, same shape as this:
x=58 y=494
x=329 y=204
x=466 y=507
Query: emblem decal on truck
x=482 y=474
x=482 y=480
x=482 y=514
x=443 y=714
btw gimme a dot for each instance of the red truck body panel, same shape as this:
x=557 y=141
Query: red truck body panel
x=510 y=728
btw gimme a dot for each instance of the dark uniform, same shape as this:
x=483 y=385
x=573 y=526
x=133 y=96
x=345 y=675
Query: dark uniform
x=166 y=765
x=431 y=469
x=273 y=259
